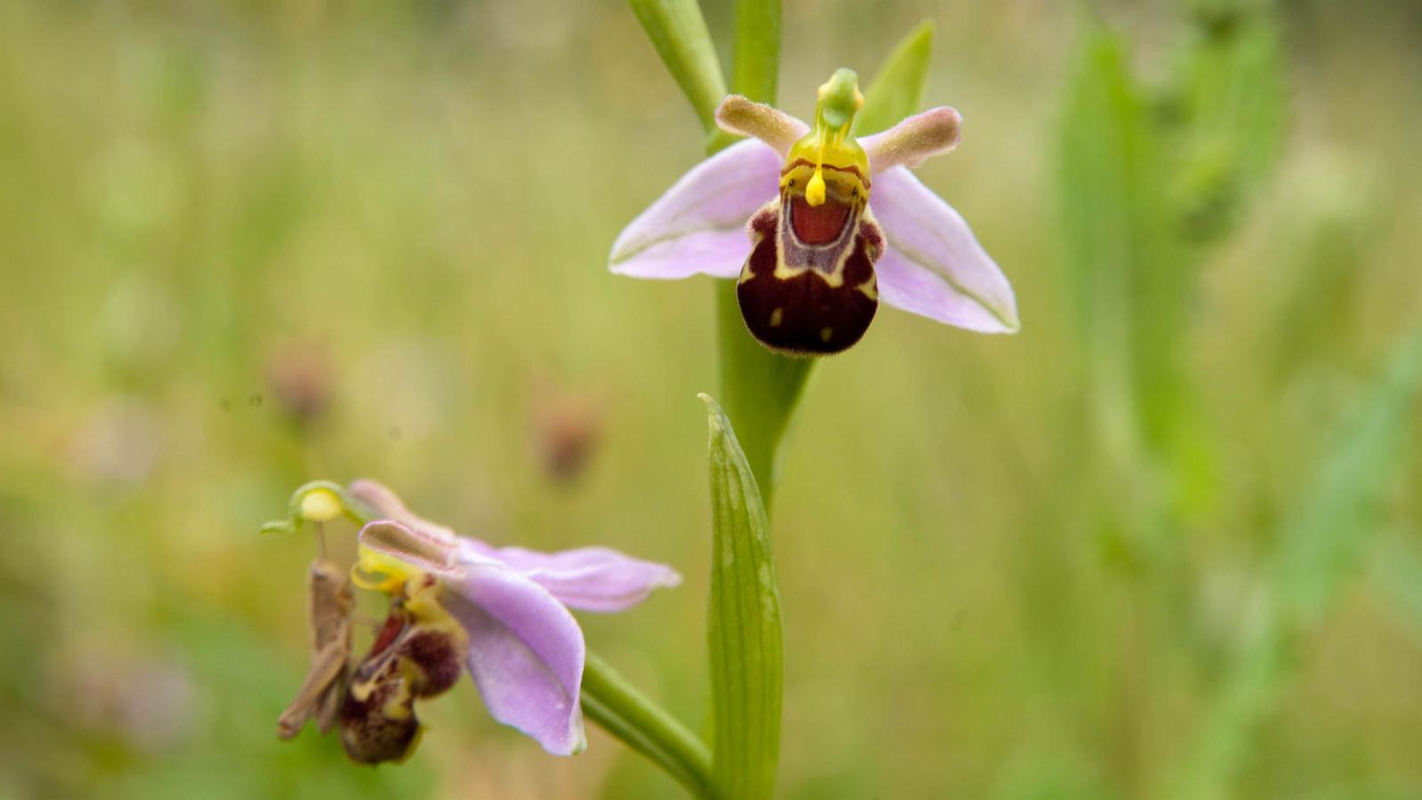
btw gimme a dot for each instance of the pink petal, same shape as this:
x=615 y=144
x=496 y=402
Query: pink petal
x=588 y=578
x=388 y=505
x=526 y=655
x=413 y=546
x=932 y=264
x=698 y=226
x=743 y=117
x=914 y=140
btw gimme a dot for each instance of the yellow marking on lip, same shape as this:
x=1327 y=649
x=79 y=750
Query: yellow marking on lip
x=785 y=272
x=829 y=143
x=826 y=334
x=776 y=317
x=815 y=190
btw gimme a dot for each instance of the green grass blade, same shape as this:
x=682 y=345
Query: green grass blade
x=678 y=32
x=1233 y=106
x=1127 y=278
x=1396 y=568
x=1317 y=549
x=743 y=625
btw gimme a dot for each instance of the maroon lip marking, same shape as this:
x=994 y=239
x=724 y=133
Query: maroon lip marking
x=394 y=624
x=804 y=315
x=817 y=224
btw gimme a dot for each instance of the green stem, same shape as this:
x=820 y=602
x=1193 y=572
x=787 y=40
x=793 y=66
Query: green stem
x=644 y=726
x=755 y=63
x=759 y=389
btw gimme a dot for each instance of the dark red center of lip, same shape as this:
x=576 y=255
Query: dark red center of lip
x=394 y=623
x=817 y=224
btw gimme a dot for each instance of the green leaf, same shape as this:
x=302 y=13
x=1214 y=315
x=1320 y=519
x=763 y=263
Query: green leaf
x=743 y=625
x=1396 y=567
x=1322 y=541
x=679 y=34
x=757 y=49
x=1232 y=105
x=1129 y=281
x=897 y=91
x=1318 y=547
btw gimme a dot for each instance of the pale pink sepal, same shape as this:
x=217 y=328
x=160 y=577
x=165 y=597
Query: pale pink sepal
x=744 y=117
x=933 y=265
x=526 y=655
x=914 y=140
x=699 y=225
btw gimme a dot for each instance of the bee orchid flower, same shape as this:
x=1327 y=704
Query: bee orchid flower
x=790 y=213
x=501 y=613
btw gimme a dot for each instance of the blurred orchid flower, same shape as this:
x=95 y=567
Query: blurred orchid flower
x=813 y=258
x=502 y=612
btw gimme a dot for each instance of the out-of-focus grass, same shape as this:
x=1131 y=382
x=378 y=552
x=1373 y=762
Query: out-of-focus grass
x=408 y=206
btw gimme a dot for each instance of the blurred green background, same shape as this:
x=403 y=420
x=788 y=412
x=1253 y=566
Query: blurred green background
x=245 y=244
